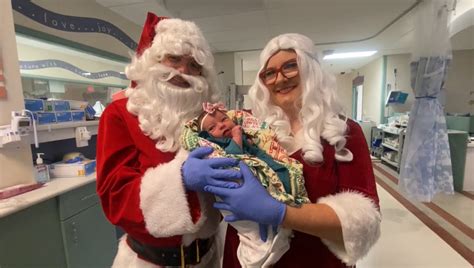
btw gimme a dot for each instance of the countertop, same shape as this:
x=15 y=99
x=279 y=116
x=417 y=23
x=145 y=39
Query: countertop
x=51 y=189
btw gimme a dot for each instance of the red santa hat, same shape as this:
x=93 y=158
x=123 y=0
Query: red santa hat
x=148 y=33
x=162 y=35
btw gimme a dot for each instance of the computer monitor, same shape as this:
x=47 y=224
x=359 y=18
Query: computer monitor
x=396 y=97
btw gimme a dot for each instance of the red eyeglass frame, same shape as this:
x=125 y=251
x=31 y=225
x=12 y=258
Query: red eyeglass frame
x=277 y=71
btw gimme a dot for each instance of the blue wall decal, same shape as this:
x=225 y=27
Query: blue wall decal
x=41 y=64
x=71 y=23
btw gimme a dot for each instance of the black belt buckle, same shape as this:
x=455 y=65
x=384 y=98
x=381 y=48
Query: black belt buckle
x=174 y=256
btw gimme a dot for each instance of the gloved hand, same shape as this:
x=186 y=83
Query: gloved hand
x=250 y=201
x=263 y=231
x=199 y=172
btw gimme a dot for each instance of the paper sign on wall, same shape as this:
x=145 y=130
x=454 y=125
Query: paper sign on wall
x=3 y=90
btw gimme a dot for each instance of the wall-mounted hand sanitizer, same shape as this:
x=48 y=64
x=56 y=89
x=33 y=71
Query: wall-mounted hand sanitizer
x=41 y=170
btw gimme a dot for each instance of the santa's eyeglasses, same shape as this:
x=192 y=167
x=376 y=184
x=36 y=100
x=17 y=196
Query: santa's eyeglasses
x=288 y=69
x=185 y=64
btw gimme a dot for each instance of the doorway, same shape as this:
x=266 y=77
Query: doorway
x=357 y=97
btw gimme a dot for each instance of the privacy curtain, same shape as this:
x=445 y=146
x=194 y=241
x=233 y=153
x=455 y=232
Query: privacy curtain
x=426 y=160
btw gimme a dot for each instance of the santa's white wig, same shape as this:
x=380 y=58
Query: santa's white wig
x=321 y=114
x=161 y=107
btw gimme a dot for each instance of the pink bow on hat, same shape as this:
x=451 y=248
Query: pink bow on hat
x=210 y=108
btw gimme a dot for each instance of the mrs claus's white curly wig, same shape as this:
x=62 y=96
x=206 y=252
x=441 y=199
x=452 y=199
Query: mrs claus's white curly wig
x=161 y=107
x=320 y=112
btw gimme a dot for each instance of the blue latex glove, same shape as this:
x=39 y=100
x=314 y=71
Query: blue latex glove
x=263 y=231
x=250 y=201
x=199 y=172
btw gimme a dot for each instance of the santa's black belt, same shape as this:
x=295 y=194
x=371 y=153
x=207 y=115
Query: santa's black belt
x=171 y=256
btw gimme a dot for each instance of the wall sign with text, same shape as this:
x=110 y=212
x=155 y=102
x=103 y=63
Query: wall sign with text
x=71 y=23
x=51 y=63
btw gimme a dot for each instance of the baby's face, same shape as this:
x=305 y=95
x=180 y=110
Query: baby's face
x=218 y=125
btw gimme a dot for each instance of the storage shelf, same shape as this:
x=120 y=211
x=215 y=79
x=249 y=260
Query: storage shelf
x=390 y=147
x=62 y=131
x=393 y=163
x=393 y=131
x=397 y=135
x=74 y=124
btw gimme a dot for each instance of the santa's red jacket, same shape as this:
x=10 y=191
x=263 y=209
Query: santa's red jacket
x=141 y=189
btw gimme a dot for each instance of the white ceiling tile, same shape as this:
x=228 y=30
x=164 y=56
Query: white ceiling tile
x=137 y=12
x=235 y=21
x=247 y=25
x=112 y=3
x=189 y=9
x=238 y=34
x=242 y=45
x=331 y=21
x=288 y=4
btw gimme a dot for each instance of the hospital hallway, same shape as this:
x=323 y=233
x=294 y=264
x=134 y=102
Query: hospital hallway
x=416 y=235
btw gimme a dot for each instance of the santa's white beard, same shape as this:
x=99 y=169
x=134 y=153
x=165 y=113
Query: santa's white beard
x=163 y=108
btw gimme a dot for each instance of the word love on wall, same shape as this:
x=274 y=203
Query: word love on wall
x=41 y=64
x=3 y=90
x=71 y=23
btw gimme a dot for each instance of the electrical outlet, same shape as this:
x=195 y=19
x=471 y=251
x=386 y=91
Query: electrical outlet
x=8 y=135
x=20 y=126
x=82 y=136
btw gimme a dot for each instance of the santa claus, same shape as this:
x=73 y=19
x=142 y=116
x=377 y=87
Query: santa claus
x=143 y=185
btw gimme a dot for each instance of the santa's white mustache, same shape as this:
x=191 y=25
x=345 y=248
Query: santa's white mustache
x=164 y=73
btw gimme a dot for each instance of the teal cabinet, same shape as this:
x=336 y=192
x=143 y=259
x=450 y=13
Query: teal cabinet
x=32 y=238
x=66 y=231
x=89 y=243
x=458 y=148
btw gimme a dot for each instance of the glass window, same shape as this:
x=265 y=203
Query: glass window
x=55 y=71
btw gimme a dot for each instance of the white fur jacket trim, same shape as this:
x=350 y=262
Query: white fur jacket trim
x=360 y=220
x=165 y=207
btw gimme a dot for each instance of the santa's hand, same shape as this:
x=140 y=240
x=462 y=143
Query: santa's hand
x=250 y=201
x=199 y=172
